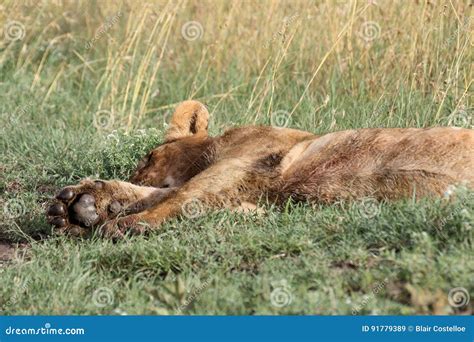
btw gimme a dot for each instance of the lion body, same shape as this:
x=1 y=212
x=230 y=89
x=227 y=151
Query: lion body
x=247 y=164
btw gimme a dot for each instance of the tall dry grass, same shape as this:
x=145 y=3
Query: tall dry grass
x=133 y=58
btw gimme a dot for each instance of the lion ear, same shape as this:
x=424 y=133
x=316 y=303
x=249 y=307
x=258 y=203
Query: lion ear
x=190 y=118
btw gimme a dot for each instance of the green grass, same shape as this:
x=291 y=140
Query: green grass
x=316 y=260
x=328 y=258
x=325 y=259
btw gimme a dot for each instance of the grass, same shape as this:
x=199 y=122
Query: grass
x=87 y=91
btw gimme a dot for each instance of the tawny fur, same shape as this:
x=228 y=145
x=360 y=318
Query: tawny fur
x=247 y=164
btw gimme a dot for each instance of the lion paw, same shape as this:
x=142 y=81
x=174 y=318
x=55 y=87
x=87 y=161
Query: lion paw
x=78 y=208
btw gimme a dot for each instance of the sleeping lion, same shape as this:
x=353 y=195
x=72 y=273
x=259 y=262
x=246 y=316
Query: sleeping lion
x=248 y=164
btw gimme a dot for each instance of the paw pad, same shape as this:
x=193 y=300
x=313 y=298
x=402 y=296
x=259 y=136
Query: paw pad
x=74 y=210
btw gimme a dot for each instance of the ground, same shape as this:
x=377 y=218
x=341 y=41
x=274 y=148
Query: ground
x=85 y=94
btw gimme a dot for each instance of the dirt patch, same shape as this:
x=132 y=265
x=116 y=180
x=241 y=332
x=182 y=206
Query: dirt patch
x=7 y=251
